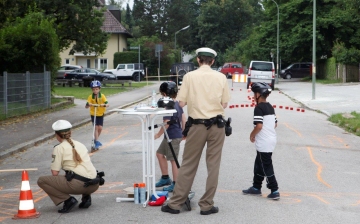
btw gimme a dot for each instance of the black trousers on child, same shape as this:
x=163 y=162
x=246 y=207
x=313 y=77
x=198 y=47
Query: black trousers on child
x=264 y=168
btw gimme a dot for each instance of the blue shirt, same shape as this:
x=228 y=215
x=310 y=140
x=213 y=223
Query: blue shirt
x=175 y=130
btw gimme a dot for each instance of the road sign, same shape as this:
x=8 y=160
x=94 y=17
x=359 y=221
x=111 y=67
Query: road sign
x=134 y=48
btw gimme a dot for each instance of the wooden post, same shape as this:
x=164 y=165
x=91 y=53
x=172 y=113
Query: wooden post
x=177 y=76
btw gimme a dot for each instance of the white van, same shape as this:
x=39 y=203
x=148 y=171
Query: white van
x=261 y=71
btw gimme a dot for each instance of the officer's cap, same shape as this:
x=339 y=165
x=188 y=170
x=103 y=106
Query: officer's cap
x=61 y=126
x=206 y=52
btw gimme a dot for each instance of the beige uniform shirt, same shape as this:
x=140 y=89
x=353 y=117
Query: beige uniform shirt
x=204 y=90
x=62 y=158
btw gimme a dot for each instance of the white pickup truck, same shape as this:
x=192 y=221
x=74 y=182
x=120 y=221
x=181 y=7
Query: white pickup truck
x=133 y=71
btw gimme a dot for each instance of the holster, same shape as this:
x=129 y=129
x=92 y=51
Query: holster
x=188 y=124
x=69 y=175
x=98 y=180
x=228 y=128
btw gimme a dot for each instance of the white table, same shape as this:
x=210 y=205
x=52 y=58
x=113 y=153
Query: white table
x=147 y=117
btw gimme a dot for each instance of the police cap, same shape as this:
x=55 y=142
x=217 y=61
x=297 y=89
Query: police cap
x=61 y=126
x=206 y=52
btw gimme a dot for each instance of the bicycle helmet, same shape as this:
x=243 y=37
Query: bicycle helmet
x=166 y=102
x=261 y=87
x=169 y=88
x=95 y=83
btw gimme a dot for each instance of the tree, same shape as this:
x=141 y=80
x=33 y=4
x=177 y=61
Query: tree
x=223 y=23
x=128 y=17
x=167 y=56
x=29 y=43
x=78 y=23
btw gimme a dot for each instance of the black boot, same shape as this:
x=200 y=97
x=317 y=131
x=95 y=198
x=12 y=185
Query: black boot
x=85 y=201
x=68 y=205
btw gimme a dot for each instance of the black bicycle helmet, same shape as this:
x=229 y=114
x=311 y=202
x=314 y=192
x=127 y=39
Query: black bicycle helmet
x=169 y=88
x=261 y=87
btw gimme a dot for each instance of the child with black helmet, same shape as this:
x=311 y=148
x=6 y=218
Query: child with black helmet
x=174 y=128
x=97 y=99
x=264 y=136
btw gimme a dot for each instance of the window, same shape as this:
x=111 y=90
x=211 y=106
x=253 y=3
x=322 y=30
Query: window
x=305 y=65
x=103 y=63
x=295 y=66
x=96 y=63
x=260 y=66
x=121 y=67
x=226 y=66
x=130 y=66
x=67 y=61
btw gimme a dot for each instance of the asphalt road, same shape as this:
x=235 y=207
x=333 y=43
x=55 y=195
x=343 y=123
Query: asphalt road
x=315 y=162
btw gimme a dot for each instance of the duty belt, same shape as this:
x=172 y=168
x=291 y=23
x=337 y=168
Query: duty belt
x=78 y=177
x=201 y=121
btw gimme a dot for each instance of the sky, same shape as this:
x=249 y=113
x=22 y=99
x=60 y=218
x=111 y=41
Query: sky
x=131 y=2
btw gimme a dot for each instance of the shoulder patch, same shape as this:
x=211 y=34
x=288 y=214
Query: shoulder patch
x=53 y=158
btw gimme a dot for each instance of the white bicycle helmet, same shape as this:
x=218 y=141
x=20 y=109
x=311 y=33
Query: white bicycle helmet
x=95 y=83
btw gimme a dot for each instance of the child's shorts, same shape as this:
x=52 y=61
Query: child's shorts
x=99 y=120
x=164 y=148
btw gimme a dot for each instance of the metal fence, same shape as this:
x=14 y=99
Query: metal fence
x=23 y=93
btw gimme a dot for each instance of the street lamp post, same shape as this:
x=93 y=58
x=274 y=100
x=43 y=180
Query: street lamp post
x=277 y=46
x=186 y=27
x=314 y=51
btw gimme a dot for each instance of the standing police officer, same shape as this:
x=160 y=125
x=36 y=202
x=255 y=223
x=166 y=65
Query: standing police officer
x=81 y=175
x=206 y=94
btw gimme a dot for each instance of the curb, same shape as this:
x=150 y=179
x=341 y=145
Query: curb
x=26 y=145
x=306 y=106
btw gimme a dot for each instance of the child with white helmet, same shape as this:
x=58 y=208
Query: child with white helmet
x=97 y=99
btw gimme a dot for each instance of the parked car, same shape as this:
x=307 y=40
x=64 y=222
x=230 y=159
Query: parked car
x=230 y=68
x=134 y=71
x=181 y=69
x=66 y=68
x=261 y=71
x=88 y=75
x=296 y=70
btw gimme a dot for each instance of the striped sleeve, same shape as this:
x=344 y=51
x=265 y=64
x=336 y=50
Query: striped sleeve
x=258 y=116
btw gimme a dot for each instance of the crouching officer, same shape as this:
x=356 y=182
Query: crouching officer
x=81 y=176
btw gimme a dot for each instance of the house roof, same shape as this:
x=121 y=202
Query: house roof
x=112 y=25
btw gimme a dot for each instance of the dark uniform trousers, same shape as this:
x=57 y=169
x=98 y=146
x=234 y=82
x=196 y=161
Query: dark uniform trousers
x=263 y=167
x=59 y=189
x=196 y=139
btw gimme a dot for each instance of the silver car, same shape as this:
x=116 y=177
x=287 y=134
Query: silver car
x=66 y=68
x=261 y=71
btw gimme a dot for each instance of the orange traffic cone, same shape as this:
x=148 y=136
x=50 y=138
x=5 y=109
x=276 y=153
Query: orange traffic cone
x=26 y=204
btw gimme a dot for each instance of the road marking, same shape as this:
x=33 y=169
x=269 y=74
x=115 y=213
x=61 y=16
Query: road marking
x=340 y=140
x=319 y=168
x=293 y=129
x=320 y=199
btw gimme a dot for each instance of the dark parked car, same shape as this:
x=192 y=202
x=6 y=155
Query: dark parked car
x=181 y=69
x=88 y=75
x=296 y=70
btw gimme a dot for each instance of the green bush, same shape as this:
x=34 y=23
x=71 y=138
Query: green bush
x=29 y=43
x=330 y=69
x=126 y=57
